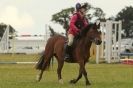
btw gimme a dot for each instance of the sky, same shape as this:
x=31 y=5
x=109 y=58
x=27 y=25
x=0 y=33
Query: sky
x=32 y=16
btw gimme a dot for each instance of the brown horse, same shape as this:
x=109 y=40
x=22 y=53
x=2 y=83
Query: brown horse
x=80 y=51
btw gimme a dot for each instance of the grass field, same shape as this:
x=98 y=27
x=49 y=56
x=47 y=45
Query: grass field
x=101 y=75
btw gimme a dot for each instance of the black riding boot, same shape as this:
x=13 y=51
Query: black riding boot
x=67 y=53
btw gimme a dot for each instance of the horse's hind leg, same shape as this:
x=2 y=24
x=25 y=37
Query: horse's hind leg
x=39 y=76
x=59 y=69
x=45 y=65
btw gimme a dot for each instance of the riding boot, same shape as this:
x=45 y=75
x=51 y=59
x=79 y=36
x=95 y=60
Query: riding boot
x=67 y=53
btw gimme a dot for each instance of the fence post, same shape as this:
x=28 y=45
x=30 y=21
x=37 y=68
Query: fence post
x=97 y=54
x=119 y=39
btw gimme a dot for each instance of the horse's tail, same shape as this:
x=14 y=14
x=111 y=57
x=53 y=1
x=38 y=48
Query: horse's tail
x=43 y=63
x=40 y=63
x=52 y=31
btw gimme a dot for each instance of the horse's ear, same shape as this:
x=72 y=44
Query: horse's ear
x=97 y=22
x=98 y=26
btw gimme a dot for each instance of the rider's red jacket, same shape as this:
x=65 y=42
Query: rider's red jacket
x=77 y=23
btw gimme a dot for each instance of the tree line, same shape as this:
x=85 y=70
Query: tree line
x=63 y=17
x=126 y=15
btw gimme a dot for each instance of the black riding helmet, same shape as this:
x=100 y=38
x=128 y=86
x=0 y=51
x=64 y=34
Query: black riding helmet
x=81 y=5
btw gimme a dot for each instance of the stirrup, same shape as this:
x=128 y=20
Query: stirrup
x=67 y=57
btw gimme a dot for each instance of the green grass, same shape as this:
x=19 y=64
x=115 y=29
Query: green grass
x=18 y=57
x=101 y=76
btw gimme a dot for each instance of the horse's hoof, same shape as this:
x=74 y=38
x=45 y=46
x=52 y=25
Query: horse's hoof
x=73 y=81
x=61 y=81
x=88 y=83
x=38 y=78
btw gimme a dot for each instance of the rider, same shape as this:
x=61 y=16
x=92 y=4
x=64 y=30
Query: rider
x=77 y=22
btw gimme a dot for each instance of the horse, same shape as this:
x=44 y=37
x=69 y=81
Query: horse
x=80 y=52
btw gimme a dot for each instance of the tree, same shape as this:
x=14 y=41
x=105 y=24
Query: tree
x=3 y=27
x=126 y=15
x=63 y=17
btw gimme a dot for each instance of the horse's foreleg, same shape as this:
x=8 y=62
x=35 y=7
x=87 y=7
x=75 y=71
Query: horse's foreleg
x=81 y=71
x=79 y=76
x=85 y=75
x=39 y=76
x=59 y=69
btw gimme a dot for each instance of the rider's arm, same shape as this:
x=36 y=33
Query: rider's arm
x=72 y=23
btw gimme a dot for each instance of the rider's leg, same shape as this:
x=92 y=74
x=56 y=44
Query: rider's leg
x=70 y=39
x=68 y=46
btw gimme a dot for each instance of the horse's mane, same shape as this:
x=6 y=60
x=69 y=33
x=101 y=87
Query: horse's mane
x=82 y=34
x=86 y=29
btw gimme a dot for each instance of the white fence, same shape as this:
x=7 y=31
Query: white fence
x=26 y=45
x=109 y=50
